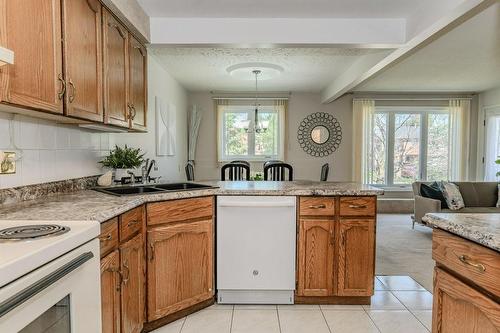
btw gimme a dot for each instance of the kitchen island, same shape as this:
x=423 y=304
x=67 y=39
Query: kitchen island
x=467 y=274
x=166 y=243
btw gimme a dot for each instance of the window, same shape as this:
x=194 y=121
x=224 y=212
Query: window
x=408 y=145
x=238 y=140
x=492 y=147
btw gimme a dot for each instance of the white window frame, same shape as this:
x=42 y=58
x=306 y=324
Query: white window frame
x=392 y=111
x=250 y=110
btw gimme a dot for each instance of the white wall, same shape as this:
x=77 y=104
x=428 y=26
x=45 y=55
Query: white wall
x=53 y=152
x=161 y=84
x=305 y=166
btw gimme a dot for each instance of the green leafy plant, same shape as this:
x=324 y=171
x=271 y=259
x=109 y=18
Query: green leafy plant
x=498 y=162
x=257 y=176
x=123 y=158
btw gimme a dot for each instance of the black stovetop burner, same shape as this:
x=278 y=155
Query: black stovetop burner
x=29 y=232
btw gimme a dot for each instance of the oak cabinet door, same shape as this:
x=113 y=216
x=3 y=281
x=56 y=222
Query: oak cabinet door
x=356 y=255
x=460 y=308
x=110 y=292
x=180 y=266
x=83 y=58
x=115 y=54
x=133 y=289
x=315 y=257
x=32 y=29
x=137 y=82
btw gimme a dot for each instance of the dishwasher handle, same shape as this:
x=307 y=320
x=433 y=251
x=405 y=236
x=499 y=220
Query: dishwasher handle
x=256 y=203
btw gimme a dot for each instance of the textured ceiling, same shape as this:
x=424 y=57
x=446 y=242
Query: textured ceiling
x=466 y=59
x=305 y=69
x=280 y=8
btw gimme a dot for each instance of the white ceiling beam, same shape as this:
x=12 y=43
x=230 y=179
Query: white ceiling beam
x=357 y=75
x=277 y=31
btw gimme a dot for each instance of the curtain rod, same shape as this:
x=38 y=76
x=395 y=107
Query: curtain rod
x=249 y=98
x=413 y=99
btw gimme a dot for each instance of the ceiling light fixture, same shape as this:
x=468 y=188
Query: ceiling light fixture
x=259 y=126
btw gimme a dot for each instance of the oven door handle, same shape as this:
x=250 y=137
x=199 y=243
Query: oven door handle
x=12 y=302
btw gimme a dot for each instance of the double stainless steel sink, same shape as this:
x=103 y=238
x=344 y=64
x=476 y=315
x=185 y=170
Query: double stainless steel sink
x=154 y=188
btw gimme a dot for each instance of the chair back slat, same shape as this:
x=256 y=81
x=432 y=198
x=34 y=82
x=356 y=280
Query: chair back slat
x=277 y=171
x=235 y=171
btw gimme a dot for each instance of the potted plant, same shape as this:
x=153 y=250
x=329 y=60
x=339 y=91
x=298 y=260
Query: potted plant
x=122 y=160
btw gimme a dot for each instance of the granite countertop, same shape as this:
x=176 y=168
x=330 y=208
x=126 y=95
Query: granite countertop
x=97 y=206
x=483 y=228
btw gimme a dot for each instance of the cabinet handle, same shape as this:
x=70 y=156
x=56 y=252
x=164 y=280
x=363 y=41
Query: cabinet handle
x=73 y=91
x=132 y=223
x=105 y=239
x=126 y=276
x=317 y=206
x=357 y=206
x=135 y=112
x=61 y=93
x=466 y=260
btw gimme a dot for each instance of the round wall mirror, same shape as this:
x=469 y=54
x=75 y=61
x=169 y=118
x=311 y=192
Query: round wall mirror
x=320 y=134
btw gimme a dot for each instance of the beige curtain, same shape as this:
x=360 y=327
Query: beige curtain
x=281 y=106
x=219 y=107
x=459 y=139
x=362 y=124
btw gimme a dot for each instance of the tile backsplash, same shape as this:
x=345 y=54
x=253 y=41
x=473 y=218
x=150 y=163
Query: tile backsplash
x=48 y=152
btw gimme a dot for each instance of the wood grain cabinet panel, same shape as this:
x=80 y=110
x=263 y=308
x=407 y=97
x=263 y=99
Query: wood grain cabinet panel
x=180 y=266
x=138 y=85
x=179 y=210
x=83 y=58
x=315 y=257
x=110 y=292
x=132 y=222
x=133 y=285
x=108 y=240
x=116 y=71
x=356 y=257
x=358 y=206
x=460 y=308
x=32 y=29
x=472 y=261
x=317 y=206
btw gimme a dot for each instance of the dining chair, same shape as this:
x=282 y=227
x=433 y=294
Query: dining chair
x=241 y=161
x=236 y=171
x=325 y=168
x=277 y=171
x=189 y=171
x=271 y=162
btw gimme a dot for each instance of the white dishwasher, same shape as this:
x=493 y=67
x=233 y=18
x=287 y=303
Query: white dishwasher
x=256 y=249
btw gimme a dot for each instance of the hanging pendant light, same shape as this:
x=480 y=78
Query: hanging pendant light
x=259 y=127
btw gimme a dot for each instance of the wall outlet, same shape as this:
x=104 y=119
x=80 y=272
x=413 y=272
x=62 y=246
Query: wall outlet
x=7 y=162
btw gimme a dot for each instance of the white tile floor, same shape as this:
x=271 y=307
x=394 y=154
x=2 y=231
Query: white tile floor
x=399 y=305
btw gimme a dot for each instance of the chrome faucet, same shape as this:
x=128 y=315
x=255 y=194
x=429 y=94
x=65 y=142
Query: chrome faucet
x=132 y=177
x=146 y=170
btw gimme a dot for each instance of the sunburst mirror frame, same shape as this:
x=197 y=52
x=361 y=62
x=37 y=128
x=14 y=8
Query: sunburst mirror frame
x=309 y=123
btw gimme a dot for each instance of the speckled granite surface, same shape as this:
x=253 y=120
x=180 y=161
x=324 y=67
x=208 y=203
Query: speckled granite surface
x=93 y=205
x=483 y=229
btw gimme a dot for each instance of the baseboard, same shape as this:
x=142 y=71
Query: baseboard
x=342 y=300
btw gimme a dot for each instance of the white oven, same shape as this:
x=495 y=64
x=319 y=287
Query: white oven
x=62 y=296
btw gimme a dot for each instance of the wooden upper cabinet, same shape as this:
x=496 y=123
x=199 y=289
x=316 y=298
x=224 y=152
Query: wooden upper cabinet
x=180 y=266
x=460 y=308
x=138 y=88
x=356 y=257
x=83 y=58
x=110 y=292
x=115 y=55
x=32 y=29
x=315 y=257
x=133 y=288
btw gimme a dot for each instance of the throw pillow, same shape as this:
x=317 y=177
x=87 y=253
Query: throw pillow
x=498 y=201
x=452 y=194
x=433 y=191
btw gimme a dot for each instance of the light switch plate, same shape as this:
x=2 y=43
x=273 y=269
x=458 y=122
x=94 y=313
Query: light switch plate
x=7 y=162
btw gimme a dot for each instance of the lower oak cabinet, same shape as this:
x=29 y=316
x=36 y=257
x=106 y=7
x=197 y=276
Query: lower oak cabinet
x=123 y=273
x=180 y=255
x=336 y=248
x=466 y=294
